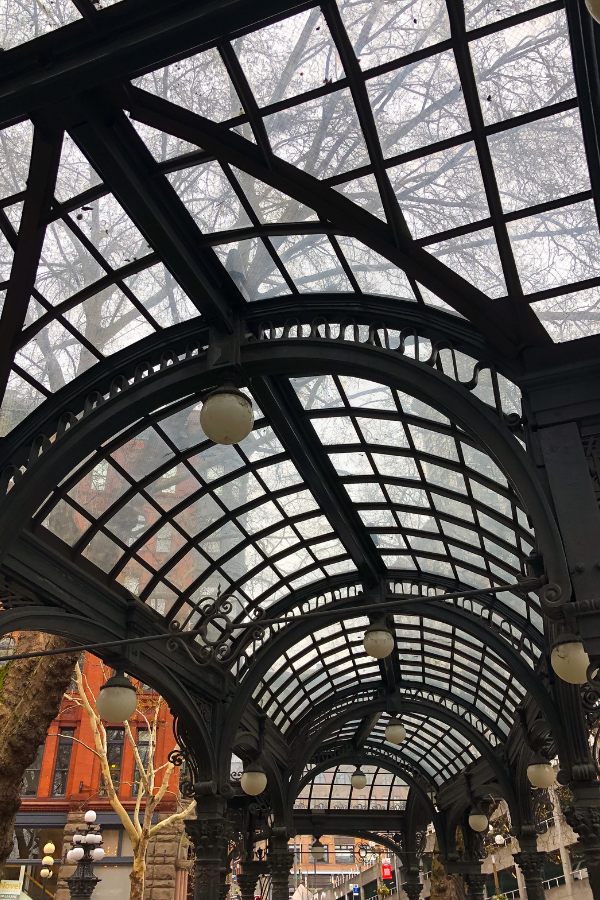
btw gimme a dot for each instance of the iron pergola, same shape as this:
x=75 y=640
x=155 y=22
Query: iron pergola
x=380 y=221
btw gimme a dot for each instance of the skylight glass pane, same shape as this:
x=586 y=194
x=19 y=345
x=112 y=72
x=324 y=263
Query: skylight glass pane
x=103 y=552
x=381 y=32
x=110 y=322
x=75 y=174
x=210 y=198
x=15 y=153
x=312 y=263
x=484 y=12
x=474 y=256
x=418 y=104
x=199 y=515
x=199 y=83
x=54 y=357
x=383 y=431
x=364 y=192
x=338 y=430
x=161 y=145
x=541 y=161
x=440 y=191
x=523 y=68
x=252 y=268
x=162 y=296
x=323 y=136
x=556 y=247
x=269 y=204
x=20 y=398
x=374 y=273
x=24 y=22
x=570 y=316
x=6 y=258
x=289 y=57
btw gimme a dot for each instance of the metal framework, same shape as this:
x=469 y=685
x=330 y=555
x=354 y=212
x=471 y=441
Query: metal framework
x=346 y=208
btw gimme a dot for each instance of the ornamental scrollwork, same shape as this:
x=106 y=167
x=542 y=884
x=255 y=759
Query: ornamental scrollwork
x=211 y=640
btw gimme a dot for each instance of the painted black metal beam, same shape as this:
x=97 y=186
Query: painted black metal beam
x=45 y=157
x=403 y=252
x=365 y=728
x=337 y=821
x=122 y=41
x=280 y=404
x=127 y=167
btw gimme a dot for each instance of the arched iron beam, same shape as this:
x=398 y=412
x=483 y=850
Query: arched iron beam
x=324 y=706
x=292 y=357
x=402 y=251
x=181 y=702
x=382 y=762
x=419 y=707
x=300 y=823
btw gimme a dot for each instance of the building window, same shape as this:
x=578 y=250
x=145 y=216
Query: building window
x=115 y=738
x=344 y=853
x=99 y=476
x=63 y=761
x=143 y=748
x=31 y=778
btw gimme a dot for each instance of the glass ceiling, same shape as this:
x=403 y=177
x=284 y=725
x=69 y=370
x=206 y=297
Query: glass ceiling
x=456 y=125
x=332 y=790
x=466 y=133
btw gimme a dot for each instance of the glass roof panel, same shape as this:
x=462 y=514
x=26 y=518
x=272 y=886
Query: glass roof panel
x=210 y=198
x=312 y=263
x=15 y=153
x=289 y=57
x=440 y=191
x=556 y=247
x=373 y=273
x=253 y=268
x=161 y=145
x=521 y=160
x=382 y=32
x=321 y=136
x=24 y=22
x=269 y=204
x=20 y=399
x=418 y=104
x=475 y=256
x=364 y=192
x=485 y=12
x=523 y=68
x=570 y=316
x=199 y=83
x=75 y=174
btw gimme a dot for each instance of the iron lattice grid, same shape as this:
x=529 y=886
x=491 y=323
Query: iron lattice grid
x=144 y=257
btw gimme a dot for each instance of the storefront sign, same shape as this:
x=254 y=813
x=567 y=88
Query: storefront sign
x=9 y=889
x=386 y=868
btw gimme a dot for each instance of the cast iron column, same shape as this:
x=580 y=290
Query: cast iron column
x=476 y=884
x=210 y=836
x=585 y=822
x=280 y=863
x=412 y=889
x=252 y=869
x=531 y=864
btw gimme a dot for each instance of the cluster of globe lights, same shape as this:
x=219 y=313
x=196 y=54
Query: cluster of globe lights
x=78 y=851
x=227 y=418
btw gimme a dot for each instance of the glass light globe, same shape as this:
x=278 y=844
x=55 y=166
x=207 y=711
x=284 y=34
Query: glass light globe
x=117 y=700
x=49 y=848
x=358 y=780
x=570 y=661
x=541 y=774
x=90 y=838
x=45 y=873
x=77 y=838
x=499 y=840
x=90 y=816
x=48 y=861
x=75 y=854
x=227 y=416
x=97 y=838
x=378 y=641
x=318 y=851
x=478 y=821
x=98 y=853
x=593 y=7
x=395 y=732
x=254 y=779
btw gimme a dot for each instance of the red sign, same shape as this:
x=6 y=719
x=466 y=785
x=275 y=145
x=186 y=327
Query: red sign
x=386 y=868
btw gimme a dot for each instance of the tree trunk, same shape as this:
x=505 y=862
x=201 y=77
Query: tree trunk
x=31 y=691
x=138 y=872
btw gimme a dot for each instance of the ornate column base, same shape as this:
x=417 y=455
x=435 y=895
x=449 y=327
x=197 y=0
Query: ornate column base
x=210 y=838
x=251 y=872
x=531 y=864
x=585 y=822
x=412 y=889
x=280 y=864
x=476 y=885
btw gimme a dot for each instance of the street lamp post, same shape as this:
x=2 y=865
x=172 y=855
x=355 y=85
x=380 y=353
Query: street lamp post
x=86 y=851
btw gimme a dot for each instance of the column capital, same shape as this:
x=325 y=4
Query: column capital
x=252 y=869
x=531 y=864
x=413 y=889
x=280 y=863
x=476 y=884
x=585 y=822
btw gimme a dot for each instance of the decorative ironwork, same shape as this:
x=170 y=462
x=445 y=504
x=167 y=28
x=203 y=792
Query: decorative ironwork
x=212 y=639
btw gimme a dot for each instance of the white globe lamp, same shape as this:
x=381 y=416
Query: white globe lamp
x=48 y=861
x=45 y=872
x=540 y=773
x=569 y=659
x=74 y=855
x=116 y=702
x=478 y=821
x=378 y=641
x=90 y=817
x=97 y=854
x=227 y=416
x=358 y=780
x=317 y=851
x=395 y=732
x=499 y=840
x=593 y=7
x=49 y=848
x=254 y=779
x=77 y=838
